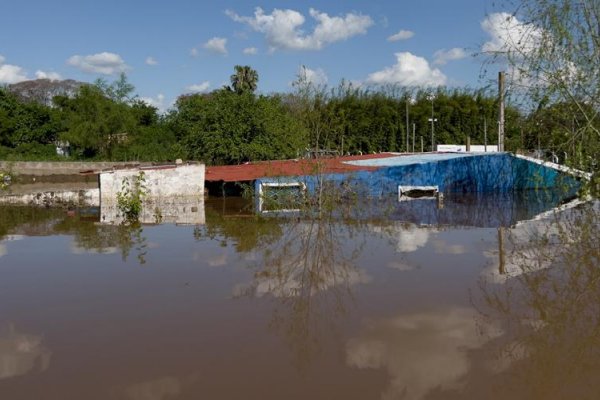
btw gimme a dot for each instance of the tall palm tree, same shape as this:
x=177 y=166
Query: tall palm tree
x=245 y=79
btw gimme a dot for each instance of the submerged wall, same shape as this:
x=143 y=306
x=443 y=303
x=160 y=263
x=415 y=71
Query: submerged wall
x=173 y=193
x=52 y=198
x=473 y=173
x=45 y=168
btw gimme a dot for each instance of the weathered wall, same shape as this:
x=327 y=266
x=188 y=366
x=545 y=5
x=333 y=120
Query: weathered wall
x=173 y=194
x=493 y=172
x=80 y=198
x=185 y=211
x=44 y=168
x=185 y=180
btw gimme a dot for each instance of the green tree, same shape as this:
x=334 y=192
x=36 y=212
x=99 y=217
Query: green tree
x=223 y=127
x=555 y=64
x=27 y=129
x=121 y=90
x=94 y=124
x=245 y=79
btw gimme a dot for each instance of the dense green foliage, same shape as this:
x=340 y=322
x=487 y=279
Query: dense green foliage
x=554 y=70
x=244 y=80
x=232 y=125
x=225 y=127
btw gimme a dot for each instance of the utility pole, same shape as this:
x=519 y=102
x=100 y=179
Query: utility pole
x=432 y=120
x=501 y=111
x=407 y=128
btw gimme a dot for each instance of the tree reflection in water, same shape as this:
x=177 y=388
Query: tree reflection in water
x=309 y=272
x=550 y=308
x=88 y=234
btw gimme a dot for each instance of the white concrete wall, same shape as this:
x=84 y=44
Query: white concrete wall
x=173 y=210
x=185 y=180
x=176 y=193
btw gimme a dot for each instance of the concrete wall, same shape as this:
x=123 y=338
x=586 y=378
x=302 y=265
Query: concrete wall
x=173 y=210
x=175 y=193
x=44 y=168
x=494 y=172
x=80 y=198
x=184 y=180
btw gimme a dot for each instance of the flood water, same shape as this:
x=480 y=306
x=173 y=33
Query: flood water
x=469 y=301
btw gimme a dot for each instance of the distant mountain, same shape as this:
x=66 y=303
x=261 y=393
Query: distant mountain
x=43 y=90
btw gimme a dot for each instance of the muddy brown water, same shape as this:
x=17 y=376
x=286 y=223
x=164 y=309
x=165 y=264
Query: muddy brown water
x=297 y=308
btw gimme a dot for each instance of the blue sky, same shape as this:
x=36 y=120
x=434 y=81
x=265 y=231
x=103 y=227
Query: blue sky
x=170 y=48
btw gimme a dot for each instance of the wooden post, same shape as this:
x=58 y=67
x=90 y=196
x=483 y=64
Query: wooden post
x=501 y=111
x=484 y=134
x=501 y=261
x=468 y=144
x=413 y=147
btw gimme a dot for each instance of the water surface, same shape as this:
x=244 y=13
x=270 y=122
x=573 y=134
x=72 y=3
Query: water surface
x=437 y=305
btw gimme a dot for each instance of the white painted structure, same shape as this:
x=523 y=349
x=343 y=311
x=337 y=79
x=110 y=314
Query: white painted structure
x=407 y=192
x=174 y=193
x=558 y=167
x=263 y=187
x=461 y=148
x=160 y=182
x=171 y=210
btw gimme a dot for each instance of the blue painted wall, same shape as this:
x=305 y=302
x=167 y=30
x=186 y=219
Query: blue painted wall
x=497 y=172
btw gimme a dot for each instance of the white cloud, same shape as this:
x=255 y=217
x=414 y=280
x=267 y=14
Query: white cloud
x=441 y=247
x=199 y=87
x=102 y=63
x=21 y=353
x=250 y=51
x=158 y=101
x=408 y=238
x=53 y=76
x=400 y=266
x=77 y=249
x=442 y=56
x=151 y=61
x=421 y=352
x=508 y=34
x=218 y=260
x=194 y=52
x=409 y=70
x=12 y=74
x=216 y=45
x=291 y=284
x=282 y=28
x=158 y=389
x=313 y=76
x=401 y=35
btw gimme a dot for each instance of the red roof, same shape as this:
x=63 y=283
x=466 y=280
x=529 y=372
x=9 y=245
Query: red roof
x=253 y=171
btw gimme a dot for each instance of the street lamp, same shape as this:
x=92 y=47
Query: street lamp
x=432 y=120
